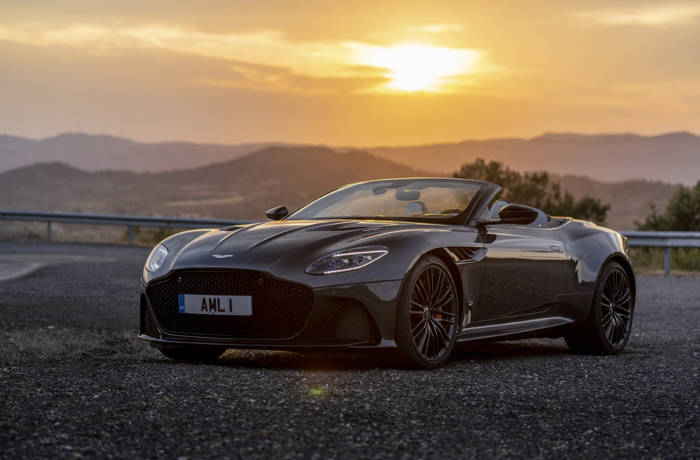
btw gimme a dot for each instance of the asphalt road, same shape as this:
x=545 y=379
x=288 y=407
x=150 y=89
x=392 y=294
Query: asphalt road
x=75 y=383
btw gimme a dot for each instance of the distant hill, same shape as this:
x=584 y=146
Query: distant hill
x=629 y=200
x=242 y=188
x=97 y=152
x=673 y=157
x=245 y=187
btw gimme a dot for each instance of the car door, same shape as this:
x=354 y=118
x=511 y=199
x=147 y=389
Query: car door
x=524 y=269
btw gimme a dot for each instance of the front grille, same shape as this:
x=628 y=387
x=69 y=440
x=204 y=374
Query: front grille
x=280 y=308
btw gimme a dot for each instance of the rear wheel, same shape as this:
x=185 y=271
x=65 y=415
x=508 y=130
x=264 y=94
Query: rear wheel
x=193 y=355
x=609 y=323
x=426 y=321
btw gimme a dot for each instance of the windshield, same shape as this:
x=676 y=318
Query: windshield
x=424 y=199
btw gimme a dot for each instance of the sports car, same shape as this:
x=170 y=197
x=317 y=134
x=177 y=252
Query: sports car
x=413 y=265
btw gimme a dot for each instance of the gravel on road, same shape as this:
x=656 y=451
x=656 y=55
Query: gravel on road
x=77 y=383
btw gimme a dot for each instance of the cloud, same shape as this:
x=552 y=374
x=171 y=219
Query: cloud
x=275 y=79
x=262 y=47
x=654 y=16
x=262 y=59
x=437 y=28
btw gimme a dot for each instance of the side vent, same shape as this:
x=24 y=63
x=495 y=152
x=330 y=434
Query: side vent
x=464 y=254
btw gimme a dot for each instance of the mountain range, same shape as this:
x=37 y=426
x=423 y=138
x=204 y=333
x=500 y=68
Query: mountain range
x=244 y=187
x=672 y=157
x=100 y=152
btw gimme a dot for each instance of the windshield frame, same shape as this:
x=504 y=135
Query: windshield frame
x=485 y=190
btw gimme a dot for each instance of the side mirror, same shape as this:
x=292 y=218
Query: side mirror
x=512 y=213
x=277 y=213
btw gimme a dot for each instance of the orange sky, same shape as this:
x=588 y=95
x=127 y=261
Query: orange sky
x=348 y=73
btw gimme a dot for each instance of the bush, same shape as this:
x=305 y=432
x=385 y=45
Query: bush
x=685 y=259
x=148 y=237
x=682 y=212
x=536 y=189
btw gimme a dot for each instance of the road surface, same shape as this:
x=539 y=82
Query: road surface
x=76 y=383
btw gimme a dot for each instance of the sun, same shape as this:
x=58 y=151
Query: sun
x=421 y=67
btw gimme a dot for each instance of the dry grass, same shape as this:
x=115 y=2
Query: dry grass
x=78 y=233
x=660 y=272
x=684 y=261
x=51 y=343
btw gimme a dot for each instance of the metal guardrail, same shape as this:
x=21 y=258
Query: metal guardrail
x=111 y=219
x=665 y=240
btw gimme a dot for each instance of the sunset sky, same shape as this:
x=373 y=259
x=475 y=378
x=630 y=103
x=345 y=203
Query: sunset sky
x=348 y=73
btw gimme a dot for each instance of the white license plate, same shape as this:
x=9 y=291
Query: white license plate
x=230 y=305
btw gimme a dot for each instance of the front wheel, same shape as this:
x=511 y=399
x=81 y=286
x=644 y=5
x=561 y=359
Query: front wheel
x=609 y=323
x=426 y=321
x=193 y=355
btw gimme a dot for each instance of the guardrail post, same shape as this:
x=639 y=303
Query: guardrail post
x=48 y=230
x=667 y=261
x=131 y=234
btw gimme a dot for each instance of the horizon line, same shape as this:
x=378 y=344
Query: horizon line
x=356 y=146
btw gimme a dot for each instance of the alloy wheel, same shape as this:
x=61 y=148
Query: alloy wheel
x=616 y=307
x=433 y=312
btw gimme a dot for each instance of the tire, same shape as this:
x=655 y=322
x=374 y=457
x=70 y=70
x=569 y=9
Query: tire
x=427 y=316
x=609 y=323
x=193 y=355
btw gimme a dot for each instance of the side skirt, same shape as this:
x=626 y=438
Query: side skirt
x=515 y=329
x=270 y=344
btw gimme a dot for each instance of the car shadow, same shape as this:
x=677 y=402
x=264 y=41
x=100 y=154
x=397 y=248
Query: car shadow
x=525 y=349
x=308 y=360
x=464 y=354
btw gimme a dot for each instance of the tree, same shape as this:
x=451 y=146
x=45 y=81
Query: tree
x=682 y=212
x=588 y=208
x=536 y=189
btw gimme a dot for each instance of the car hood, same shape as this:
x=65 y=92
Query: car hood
x=288 y=243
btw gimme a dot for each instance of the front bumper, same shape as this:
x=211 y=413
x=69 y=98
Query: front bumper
x=341 y=317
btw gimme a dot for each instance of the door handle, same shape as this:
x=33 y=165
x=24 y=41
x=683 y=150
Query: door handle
x=554 y=248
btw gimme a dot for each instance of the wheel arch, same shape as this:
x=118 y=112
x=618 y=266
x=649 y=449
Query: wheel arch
x=443 y=255
x=587 y=339
x=626 y=265
x=594 y=269
x=406 y=345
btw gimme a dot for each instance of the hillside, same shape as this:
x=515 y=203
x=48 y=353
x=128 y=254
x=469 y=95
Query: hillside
x=673 y=157
x=245 y=187
x=629 y=201
x=242 y=188
x=97 y=152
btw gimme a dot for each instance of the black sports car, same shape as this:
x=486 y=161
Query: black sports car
x=413 y=264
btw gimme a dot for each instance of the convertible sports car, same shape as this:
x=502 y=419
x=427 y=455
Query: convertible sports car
x=413 y=265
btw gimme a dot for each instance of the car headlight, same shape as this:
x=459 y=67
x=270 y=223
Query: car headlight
x=156 y=258
x=346 y=260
